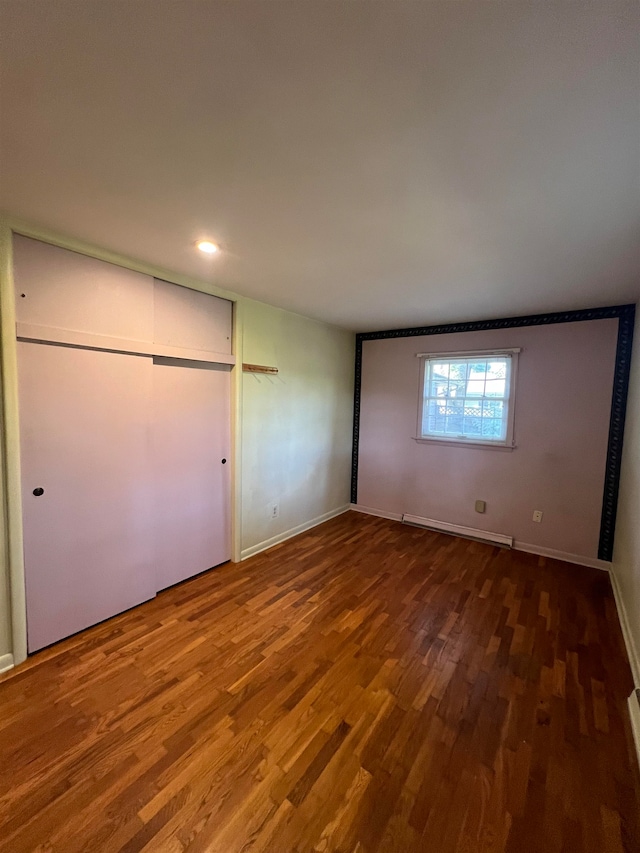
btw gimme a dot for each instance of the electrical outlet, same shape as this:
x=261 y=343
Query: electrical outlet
x=275 y=510
x=481 y=506
x=537 y=515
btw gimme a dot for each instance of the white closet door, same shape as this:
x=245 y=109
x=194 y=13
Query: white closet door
x=190 y=319
x=67 y=291
x=191 y=444
x=85 y=442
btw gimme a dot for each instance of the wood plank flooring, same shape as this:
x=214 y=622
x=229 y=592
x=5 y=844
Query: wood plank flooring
x=365 y=687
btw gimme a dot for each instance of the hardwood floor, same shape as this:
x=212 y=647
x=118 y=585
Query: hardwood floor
x=366 y=686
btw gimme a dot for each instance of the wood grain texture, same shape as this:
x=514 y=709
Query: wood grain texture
x=365 y=687
x=258 y=368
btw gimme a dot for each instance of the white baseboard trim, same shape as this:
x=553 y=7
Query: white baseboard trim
x=459 y=530
x=6 y=663
x=501 y=539
x=368 y=510
x=294 y=531
x=632 y=651
x=634 y=714
x=566 y=557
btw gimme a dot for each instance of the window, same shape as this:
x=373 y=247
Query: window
x=468 y=397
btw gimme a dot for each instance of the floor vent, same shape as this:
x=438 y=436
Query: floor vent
x=459 y=530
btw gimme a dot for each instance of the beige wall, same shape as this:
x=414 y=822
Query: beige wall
x=296 y=425
x=626 y=555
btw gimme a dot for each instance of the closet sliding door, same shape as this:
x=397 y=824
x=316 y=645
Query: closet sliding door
x=124 y=391
x=190 y=434
x=190 y=453
x=86 y=480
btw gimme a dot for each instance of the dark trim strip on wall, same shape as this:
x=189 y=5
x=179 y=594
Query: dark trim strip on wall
x=625 y=314
x=356 y=420
x=616 y=432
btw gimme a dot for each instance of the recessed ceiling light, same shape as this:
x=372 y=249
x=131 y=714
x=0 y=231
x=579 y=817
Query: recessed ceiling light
x=207 y=247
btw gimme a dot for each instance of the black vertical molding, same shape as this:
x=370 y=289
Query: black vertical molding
x=616 y=433
x=625 y=314
x=356 y=420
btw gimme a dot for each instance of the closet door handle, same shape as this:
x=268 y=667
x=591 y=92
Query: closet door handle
x=224 y=461
x=37 y=492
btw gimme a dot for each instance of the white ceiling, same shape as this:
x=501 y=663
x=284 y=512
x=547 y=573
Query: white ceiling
x=372 y=164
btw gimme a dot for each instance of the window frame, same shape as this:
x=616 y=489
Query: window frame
x=508 y=443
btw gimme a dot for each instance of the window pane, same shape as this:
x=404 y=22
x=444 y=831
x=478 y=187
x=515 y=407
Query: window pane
x=497 y=369
x=454 y=416
x=440 y=368
x=473 y=408
x=475 y=387
x=492 y=409
x=477 y=374
x=435 y=422
x=457 y=388
x=458 y=370
x=495 y=387
x=473 y=417
x=491 y=428
x=465 y=398
x=477 y=370
x=439 y=385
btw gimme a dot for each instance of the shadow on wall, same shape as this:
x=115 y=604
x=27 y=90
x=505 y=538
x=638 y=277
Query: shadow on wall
x=297 y=425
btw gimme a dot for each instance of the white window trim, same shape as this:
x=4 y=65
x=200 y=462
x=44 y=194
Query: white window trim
x=469 y=353
x=451 y=441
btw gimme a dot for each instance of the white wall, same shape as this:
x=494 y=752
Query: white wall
x=626 y=555
x=296 y=425
x=5 y=612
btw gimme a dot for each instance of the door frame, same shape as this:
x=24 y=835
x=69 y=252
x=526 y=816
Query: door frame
x=13 y=614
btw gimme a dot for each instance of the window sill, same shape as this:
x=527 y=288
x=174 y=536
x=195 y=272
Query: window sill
x=482 y=445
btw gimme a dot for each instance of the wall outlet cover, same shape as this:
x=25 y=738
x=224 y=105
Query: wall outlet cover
x=537 y=515
x=481 y=506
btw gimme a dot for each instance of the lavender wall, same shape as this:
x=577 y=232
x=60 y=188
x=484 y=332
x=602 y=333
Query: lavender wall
x=563 y=399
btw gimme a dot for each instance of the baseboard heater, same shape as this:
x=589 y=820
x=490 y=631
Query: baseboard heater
x=459 y=530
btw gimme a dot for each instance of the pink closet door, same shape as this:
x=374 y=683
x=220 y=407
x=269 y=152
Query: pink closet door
x=191 y=445
x=85 y=442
